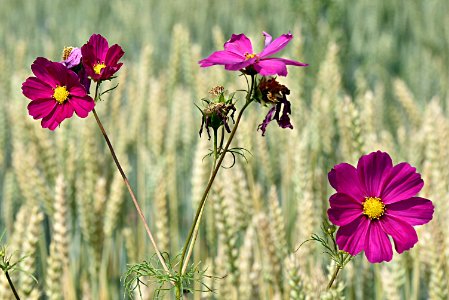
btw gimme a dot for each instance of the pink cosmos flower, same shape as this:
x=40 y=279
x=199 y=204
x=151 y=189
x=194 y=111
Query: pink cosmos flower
x=72 y=60
x=99 y=60
x=55 y=93
x=374 y=201
x=238 y=54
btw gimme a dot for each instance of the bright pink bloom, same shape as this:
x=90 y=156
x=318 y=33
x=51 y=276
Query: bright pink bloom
x=99 y=60
x=374 y=201
x=55 y=93
x=238 y=54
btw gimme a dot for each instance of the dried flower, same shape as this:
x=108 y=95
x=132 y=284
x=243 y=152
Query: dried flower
x=100 y=60
x=238 y=55
x=55 y=93
x=272 y=92
x=216 y=113
x=376 y=200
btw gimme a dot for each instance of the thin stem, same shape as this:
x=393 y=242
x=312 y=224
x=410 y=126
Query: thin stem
x=334 y=276
x=12 y=286
x=125 y=179
x=212 y=178
x=197 y=227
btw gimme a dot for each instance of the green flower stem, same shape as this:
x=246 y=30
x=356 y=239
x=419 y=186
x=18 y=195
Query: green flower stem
x=197 y=227
x=334 y=276
x=211 y=180
x=345 y=258
x=12 y=286
x=125 y=179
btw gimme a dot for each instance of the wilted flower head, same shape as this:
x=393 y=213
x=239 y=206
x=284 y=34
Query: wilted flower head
x=272 y=92
x=55 y=93
x=238 y=54
x=216 y=112
x=100 y=60
x=374 y=201
x=71 y=58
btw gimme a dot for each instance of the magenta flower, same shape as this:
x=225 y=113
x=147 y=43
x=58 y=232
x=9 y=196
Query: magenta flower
x=99 y=60
x=238 y=54
x=374 y=201
x=55 y=93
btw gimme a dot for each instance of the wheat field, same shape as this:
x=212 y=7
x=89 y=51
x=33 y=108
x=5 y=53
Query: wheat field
x=378 y=80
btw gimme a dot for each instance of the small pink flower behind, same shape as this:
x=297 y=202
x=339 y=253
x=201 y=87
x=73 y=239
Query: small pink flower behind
x=55 y=93
x=238 y=54
x=99 y=60
x=374 y=201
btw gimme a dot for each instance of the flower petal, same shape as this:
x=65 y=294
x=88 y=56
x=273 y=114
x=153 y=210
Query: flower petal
x=41 y=108
x=36 y=89
x=100 y=46
x=351 y=237
x=221 y=58
x=74 y=58
x=343 y=209
x=239 y=44
x=268 y=38
x=288 y=61
x=113 y=55
x=50 y=121
x=373 y=170
x=39 y=68
x=344 y=179
x=267 y=120
x=414 y=211
x=277 y=45
x=82 y=105
x=377 y=245
x=270 y=67
x=402 y=183
x=403 y=234
x=65 y=112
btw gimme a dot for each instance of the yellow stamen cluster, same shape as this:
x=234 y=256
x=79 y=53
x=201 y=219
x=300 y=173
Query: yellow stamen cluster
x=373 y=207
x=99 y=67
x=66 y=52
x=60 y=94
x=250 y=55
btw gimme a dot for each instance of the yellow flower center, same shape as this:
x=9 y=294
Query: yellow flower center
x=66 y=52
x=99 y=67
x=250 y=55
x=373 y=207
x=60 y=94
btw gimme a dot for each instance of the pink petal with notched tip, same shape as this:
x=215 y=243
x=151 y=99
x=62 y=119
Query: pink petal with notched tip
x=40 y=70
x=268 y=38
x=287 y=61
x=403 y=234
x=50 y=121
x=277 y=45
x=351 y=237
x=344 y=179
x=113 y=55
x=41 y=108
x=402 y=183
x=373 y=170
x=35 y=89
x=343 y=209
x=222 y=58
x=239 y=44
x=414 y=211
x=100 y=46
x=377 y=245
x=82 y=105
x=270 y=67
